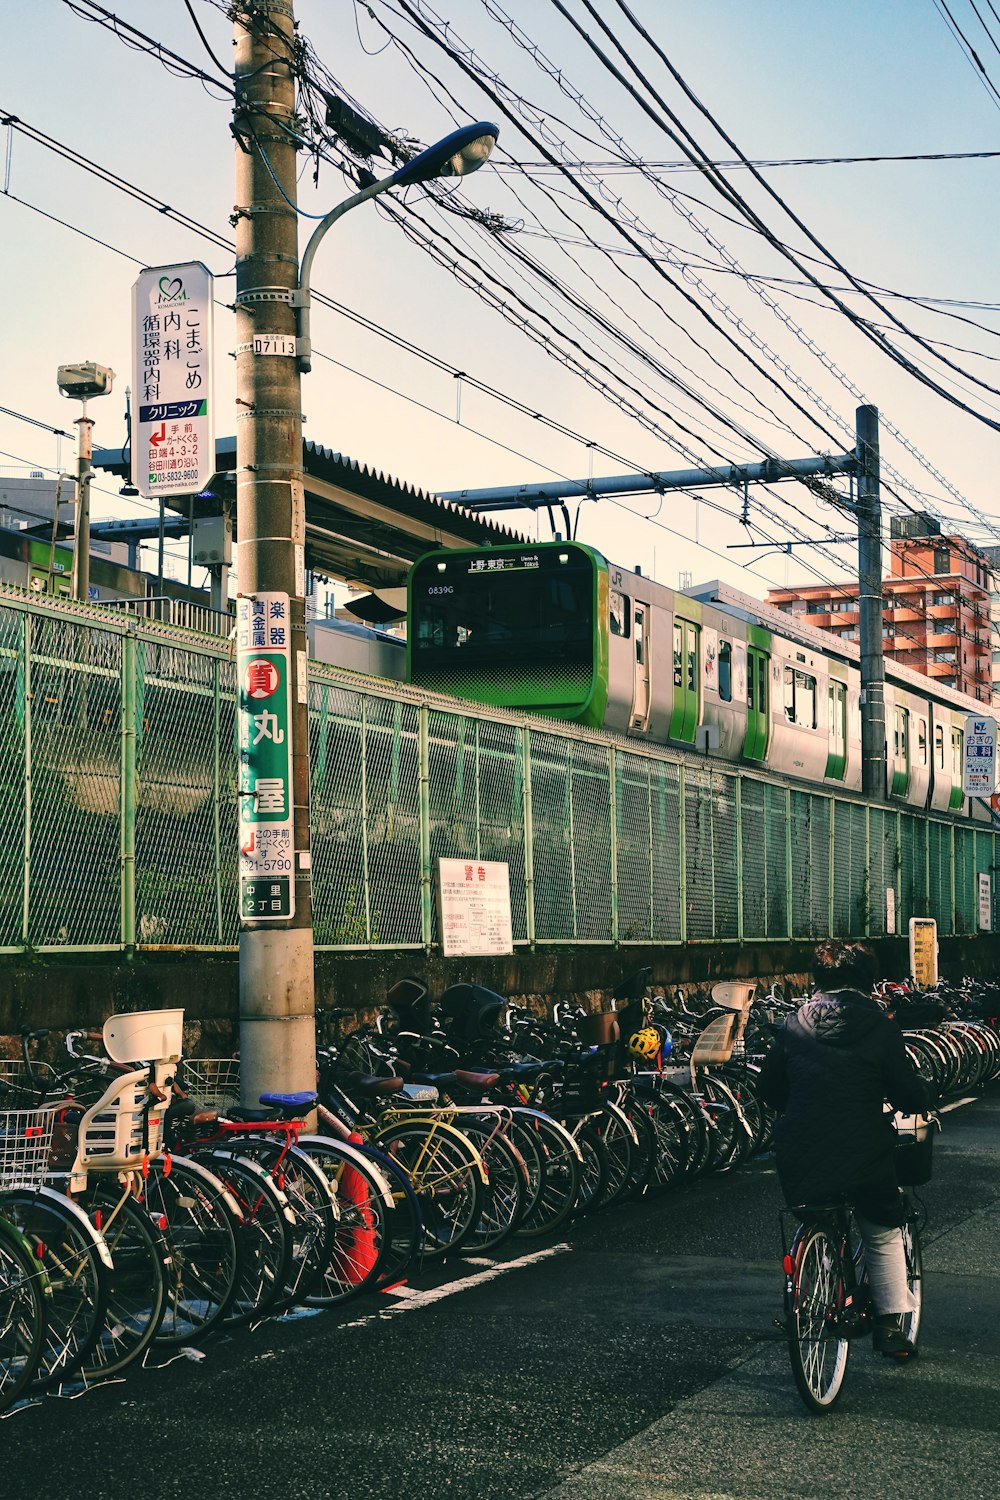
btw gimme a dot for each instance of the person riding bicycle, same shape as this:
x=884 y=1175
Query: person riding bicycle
x=832 y=1066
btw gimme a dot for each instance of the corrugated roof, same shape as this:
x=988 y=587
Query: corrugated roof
x=362 y=525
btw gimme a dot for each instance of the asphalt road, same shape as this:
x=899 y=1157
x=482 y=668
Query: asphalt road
x=636 y=1358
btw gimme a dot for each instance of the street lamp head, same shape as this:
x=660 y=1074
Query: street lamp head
x=84 y=380
x=461 y=152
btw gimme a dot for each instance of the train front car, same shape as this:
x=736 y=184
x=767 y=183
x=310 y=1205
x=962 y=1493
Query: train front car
x=516 y=626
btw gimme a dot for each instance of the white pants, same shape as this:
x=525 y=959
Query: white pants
x=885 y=1258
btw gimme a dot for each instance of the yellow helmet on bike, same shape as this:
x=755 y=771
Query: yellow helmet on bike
x=645 y=1043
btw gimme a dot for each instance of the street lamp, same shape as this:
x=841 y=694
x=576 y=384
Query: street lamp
x=463 y=151
x=79 y=383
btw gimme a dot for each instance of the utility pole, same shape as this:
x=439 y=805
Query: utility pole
x=277 y=1029
x=868 y=510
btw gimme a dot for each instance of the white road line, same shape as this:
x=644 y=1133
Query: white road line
x=413 y=1297
x=955 y=1104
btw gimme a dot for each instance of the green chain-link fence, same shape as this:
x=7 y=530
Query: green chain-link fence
x=118 y=815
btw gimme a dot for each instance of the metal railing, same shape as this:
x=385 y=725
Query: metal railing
x=118 y=814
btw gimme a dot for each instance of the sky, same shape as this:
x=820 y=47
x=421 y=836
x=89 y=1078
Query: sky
x=649 y=349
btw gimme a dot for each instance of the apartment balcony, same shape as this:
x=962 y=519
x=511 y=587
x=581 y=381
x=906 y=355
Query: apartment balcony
x=942 y=640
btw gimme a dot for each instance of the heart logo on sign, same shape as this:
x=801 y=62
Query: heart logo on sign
x=171 y=288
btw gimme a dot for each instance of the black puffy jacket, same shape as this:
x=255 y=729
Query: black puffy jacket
x=831 y=1067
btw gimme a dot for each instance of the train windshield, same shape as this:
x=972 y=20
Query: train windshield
x=487 y=610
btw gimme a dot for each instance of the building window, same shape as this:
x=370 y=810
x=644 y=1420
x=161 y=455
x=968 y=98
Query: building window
x=942 y=559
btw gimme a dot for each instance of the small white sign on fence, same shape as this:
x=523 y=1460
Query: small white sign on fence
x=474 y=907
x=985 y=904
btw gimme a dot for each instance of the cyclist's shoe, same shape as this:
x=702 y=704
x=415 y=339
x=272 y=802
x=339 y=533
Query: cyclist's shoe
x=889 y=1339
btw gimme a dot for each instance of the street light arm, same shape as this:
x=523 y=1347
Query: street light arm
x=463 y=151
x=305 y=271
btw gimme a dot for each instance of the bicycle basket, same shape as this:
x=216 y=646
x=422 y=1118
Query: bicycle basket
x=20 y=1089
x=214 y=1082
x=25 y=1142
x=914 y=1150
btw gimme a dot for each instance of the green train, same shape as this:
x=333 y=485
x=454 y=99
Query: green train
x=556 y=629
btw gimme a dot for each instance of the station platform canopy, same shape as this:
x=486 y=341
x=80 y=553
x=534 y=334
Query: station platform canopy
x=363 y=527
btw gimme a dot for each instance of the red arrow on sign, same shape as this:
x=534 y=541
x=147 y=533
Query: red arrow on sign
x=156 y=438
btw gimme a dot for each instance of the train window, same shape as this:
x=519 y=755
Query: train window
x=678 y=655
x=957 y=751
x=640 y=637
x=692 y=656
x=726 y=671
x=921 y=742
x=750 y=684
x=800 y=698
x=620 y=609
x=938 y=747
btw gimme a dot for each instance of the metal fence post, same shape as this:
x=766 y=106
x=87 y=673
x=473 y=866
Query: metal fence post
x=789 y=883
x=25 y=694
x=739 y=857
x=217 y=792
x=952 y=924
x=868 y=870
x=613 y=812
x=129 y=750
x=529 y=837
x=365 y=870
x=423 y=751
x=682 y=847
x=833 y=864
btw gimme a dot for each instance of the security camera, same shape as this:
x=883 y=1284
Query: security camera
x=82 y=381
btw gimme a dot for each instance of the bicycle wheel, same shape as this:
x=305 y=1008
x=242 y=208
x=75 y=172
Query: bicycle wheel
x=201 y=1223
x=914 y=1279
x=22 y=1314
x=562 y=1167
x=78 y=1266
x=445 y=1172
x=667 y=1120
x=817 y=1352
x=138 y=1290
x=643 y=1165
x=364 y=1229
x=314 y=1206
x=506 y=1187
x=267 y=1230
x=594 y=1171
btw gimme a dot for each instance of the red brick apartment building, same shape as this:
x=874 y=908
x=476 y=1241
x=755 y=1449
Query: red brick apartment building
x=936 y=617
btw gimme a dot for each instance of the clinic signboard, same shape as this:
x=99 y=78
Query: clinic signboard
x=979 y=762
x=173 y=411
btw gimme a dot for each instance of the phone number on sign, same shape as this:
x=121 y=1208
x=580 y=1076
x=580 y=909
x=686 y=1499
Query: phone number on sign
x=179 y=476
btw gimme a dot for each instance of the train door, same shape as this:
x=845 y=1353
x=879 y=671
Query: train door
x=687 y=680
x=758 y=704
x=900 y=783
x=640 y=694
x=836 y=759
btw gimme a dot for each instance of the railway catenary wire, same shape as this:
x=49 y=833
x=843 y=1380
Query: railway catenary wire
x=107 y=20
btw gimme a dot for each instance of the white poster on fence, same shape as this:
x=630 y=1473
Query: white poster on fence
x=474 y=907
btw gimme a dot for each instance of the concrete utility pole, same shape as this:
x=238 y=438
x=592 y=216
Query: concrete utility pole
x=277 y=1035
x=869 y=518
